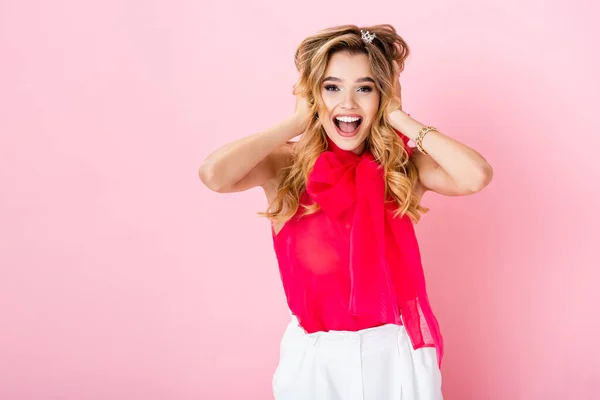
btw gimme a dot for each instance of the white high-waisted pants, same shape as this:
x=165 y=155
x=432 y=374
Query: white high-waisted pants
x=371 y=364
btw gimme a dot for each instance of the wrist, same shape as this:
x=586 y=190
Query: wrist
x=403 y=123
x=397 y=114
x=296 y=124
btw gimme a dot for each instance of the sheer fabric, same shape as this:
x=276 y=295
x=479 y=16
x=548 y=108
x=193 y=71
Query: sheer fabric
x=352 y=265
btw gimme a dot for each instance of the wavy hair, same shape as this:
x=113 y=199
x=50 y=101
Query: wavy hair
x=311 y=59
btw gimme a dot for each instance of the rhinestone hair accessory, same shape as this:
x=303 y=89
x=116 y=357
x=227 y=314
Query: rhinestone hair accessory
x=366 y=36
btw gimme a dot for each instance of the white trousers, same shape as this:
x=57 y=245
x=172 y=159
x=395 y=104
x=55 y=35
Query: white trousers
x=371 y=364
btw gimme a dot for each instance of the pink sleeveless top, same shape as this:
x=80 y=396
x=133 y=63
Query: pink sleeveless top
x=317 y=283
x=352 y=265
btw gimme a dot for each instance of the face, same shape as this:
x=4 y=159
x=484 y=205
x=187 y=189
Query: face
x=350 y=99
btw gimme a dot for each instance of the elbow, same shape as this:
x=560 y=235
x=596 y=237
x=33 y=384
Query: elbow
x=209 y=178
x=482 y=177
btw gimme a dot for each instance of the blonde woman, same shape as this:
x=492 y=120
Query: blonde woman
x=343 y=200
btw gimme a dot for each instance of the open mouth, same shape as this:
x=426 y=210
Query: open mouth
x=347 y=126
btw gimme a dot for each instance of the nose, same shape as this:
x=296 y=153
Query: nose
x=348 y=102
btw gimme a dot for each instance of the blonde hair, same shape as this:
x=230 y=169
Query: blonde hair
x=311 y=59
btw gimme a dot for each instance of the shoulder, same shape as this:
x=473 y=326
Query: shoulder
x=426 y=169
x=284 y=154
x=423 y=161
x=281 y=158
x=278 y=160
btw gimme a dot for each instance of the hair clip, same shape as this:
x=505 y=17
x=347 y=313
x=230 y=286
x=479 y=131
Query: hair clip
x=366 y=36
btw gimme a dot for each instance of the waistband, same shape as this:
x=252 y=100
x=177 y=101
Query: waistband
x=369 y=337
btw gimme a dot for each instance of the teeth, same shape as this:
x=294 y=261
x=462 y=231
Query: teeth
x=347 y=119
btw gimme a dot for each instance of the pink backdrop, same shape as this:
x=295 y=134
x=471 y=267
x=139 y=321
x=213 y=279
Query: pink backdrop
x=122 y=277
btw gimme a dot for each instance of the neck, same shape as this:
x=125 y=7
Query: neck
x=357 y=151
x=360 y=149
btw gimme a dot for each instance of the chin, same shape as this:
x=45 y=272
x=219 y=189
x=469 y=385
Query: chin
x=348 y=145
x=354 y=143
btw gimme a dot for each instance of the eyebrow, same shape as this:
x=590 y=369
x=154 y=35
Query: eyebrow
x=364 y=79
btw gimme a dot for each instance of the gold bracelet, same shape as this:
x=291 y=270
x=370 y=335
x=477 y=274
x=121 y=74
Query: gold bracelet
x=419 y=140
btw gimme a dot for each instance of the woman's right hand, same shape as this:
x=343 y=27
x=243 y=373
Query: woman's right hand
x=256 y=159
x=302 y=110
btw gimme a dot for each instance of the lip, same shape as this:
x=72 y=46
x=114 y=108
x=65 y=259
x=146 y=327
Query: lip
x=347 y=134
x=347 y=115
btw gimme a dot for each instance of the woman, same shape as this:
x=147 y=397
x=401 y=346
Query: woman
x=342 y=201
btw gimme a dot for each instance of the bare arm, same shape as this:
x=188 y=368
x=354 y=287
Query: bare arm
x=250 y=161
x=451 y=167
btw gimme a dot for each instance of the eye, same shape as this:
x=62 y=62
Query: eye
x=365 y=89
x=330 y=88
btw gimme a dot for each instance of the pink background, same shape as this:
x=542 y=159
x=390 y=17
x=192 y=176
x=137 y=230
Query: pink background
x=122 y=277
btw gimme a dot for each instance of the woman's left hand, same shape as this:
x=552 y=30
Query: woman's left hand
x=450 y=167
x=396 y=103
